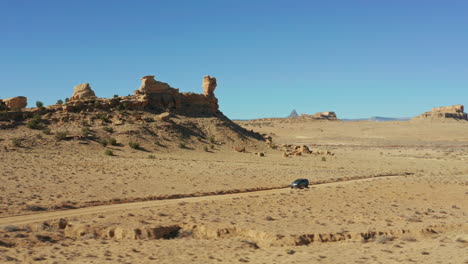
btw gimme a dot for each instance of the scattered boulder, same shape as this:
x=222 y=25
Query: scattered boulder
x=239 y=149
x=17 y=102
x=454 y=112
x=304 y=149
x=209 y=85
x=165 y=117
x=82 y=91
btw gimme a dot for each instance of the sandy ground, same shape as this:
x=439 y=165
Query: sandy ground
x=418 y=215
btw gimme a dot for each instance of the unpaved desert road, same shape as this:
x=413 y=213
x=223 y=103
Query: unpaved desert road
x=40 y=217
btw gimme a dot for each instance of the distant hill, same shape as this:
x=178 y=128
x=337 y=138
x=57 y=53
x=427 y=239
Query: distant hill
x=293 y=113
x=379 y=119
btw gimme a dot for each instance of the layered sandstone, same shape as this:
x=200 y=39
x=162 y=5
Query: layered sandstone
x=454 y=112
x=154 y=94
x=82 y=91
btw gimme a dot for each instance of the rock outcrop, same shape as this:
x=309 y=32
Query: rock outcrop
x=17 y=102
x=454 y=112
x=82 y=91
x=329 y=115
x=209 y=85
x=150 y=85
x=159 y=95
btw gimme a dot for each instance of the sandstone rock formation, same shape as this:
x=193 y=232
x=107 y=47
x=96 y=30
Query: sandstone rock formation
x=454 y=112
x=329 y=115
x=449 y=109
x=17 y=102
x=209 y=85
x=154 y=94
x=82 y=91
x=150 y=85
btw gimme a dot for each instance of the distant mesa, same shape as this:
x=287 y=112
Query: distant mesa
x=295 y=117
x=454 y=112
x=293 y=114
x=329 y=115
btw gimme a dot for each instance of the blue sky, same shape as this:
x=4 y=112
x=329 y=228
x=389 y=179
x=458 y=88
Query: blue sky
x=358 y=58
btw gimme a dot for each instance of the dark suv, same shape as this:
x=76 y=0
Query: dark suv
x=300 y=183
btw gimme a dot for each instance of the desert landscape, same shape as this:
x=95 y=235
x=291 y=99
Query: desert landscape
x=163 y=176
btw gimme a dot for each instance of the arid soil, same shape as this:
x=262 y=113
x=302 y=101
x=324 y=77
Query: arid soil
x=392 y=192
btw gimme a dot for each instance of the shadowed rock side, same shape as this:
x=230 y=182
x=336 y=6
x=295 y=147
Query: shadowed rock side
x=155 y=95
x=454 y=112
x=13 y=103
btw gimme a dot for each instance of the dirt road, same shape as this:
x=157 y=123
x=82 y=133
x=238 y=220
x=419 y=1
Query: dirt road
x=39 y=217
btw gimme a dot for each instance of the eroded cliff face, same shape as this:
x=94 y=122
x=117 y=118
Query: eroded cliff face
x=154 y=94
x=454 y=112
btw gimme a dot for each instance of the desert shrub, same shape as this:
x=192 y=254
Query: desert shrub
x=108 y=152
x=324 y=159
x=35 y=123
x=12 y=228
x=61 y=135
x=157 y=143
x=16 y=142
x=134 y=145
x=212 y=146
x=46 y=131
x=112 y=141
x=383 y=239
x=103 y=142
x=16 y=109
x=67 y=100
x=39 y=104
x=116 y=95
x=35 y=208
x=205 y=148
x=103 y=118
x=108 y=129
x=59 y=102
x=151 y=156
x=182 y=145
x=85 y=131
x=212 y=140
x=122 y=106
x=149 y=119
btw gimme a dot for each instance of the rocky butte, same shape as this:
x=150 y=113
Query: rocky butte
x=152 y=95
x=454 y=112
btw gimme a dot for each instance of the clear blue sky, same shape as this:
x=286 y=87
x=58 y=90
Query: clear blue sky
x=358 y=58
